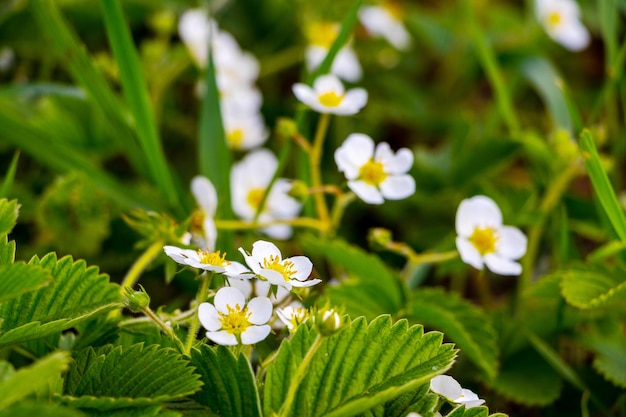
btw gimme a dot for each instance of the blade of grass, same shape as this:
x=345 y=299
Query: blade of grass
x=46 y=147
x=10 y=175
x=602 y=185
x=136 y=93
x=70 y=52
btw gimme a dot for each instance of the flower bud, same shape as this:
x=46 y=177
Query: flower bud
x=328 y=321
x=379 y=238
x=286 y=128
x=136 y=301
x=299 y=191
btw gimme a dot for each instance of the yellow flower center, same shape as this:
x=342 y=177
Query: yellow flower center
x=554 y=19
x=322 y=33
x=372 y=173
x=255 y=196
x=197 y=221
x=285 y=268
x=394 y=9
x=484 y=239
x=213 y=258
x=236 y=320
x=330 y=99
x=235 y=138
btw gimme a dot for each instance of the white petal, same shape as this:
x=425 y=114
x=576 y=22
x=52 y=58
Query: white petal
x=210 y=233
x=398 y=187
x=353 y=153
x=314 y=55
x=478 y=211
x=308 y=283
x=502 y=266
x=222 y=338
x=304 y=93
x=262 y=250
x=574 y=36
x=243 y=285
x=354 y=101
x=209 y=318
x=274 y=277
x=228 y=296
x=204 y=192
x=278 y=231
x=254 y=334
x=182 y=256
x=469 y=254
x=366 y=192
x=260 y=309
x=302 y=265
x=511 y=243
x=446 y=386
x=346 y=65
x=237 y=270
x=327 y=83
x=251 y=261
x=397 y=164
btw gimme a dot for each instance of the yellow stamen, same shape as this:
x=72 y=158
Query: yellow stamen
x=236 y=320
x=372 y=173
x=235 y=138
x=197 y=221
x=322 y=33
x=484 y=239
x=330 y=99
x=255 y=196
x=554 y=19
x=285 y=268
x=213 y=258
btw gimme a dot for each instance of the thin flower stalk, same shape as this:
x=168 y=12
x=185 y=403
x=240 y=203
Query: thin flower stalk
x=195 y=321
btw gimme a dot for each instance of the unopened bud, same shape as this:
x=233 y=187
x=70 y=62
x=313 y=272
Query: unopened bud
x=286 y=128
x=136 y=301
x=299 y=190
x=328 y=321
x=379 y=238
x=564 y=145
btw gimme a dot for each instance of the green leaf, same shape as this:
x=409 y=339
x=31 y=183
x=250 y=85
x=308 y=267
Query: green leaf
x=136 y=94
x=551 y=88
x=372 y=289
x=19 y=278
x=602 y=185
x=608 y=344
x=526 y=378
x=7 y=183
x=465 y=324
x=7 y=250
x=9 y=211
x=32 y=378
x=39 y=410
x=152 y=411
x=584 y=288
x=461 y=411
x=111 y=378
x=6 y=371
x=229 y=386
x=76 y=293
x=357 y=369
x=420 y=401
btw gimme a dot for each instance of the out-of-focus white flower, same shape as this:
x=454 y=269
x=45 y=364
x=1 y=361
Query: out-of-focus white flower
x=329 y=96
x=293 y=315
x=249 y=179
x=208 y=261
x=195 y=29
x=448 y=387
x=561 y=20
x=384 y=21
x=261 y=288
x=267 y=263
x=7 y=58
x=244 y=131
x=375 y=174
x=229 y=321
x=203 y=230
x=321 y=36
x=482 y=239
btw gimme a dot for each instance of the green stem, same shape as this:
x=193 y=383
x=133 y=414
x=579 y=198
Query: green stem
x=195 y=322
x=251 y=225
x=299 y=376
x=133 y=274
x=167 y=329
x=550 y=200
x=484 y=292
x=315 y=157
x=339 y=207
x=488 y=60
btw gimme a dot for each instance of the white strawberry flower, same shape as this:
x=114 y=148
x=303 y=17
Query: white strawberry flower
x=449 y=388
x=375 y=173
x=207 y=261
x=244 y=131
x=321 y=36
x=292 y=315
x=249 y=179
x=384 y=21
x=231 y=321
x=203 y=230
x=267 y=263
x=561 y=20
x=483 y=240
x=328 y=95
